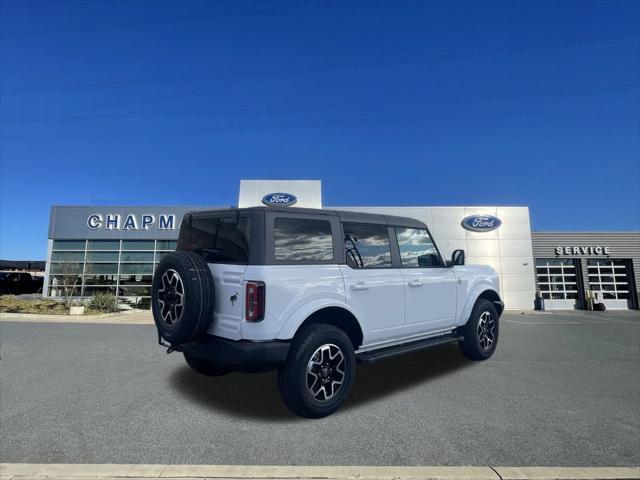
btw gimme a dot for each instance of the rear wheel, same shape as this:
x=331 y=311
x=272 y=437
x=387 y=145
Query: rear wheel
x=204 y=367
x=481 y=331
x=319 y=371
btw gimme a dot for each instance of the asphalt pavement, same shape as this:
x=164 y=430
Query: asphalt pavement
x=562 y=389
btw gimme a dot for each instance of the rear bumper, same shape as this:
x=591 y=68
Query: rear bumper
x=238 y=355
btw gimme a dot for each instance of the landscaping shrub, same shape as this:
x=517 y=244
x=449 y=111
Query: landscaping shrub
x=104 y=302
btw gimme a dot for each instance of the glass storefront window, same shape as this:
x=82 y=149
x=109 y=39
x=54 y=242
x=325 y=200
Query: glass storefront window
x=66 y=268
x=103 y=245
x=136 y=257
x=100 y=279
x=138 y=268
x=166 y=244
x=101 y=268
x=67 y=256
x=90 y=291
x=68 y=244
x=129 y=291
x=102 y=256
x=65 y=280
x=138 y=245
x=134 y=260
x=136 y=279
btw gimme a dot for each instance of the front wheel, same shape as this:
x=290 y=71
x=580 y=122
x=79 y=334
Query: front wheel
x=319 y=371
x=204 y=367
x=480 y=332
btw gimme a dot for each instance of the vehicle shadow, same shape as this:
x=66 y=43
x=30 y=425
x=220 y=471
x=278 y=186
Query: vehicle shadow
x=256 y=395
x=377 y=380
x=251 y=395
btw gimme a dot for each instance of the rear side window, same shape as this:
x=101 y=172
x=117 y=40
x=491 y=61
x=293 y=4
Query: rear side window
x=217 y=239
x=367 y=246
x=303 y=240
x=416 y=248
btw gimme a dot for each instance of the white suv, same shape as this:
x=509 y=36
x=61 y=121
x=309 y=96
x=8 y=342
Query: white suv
x=312 y=292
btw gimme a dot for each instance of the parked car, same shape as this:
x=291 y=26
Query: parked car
x=313 y=292
x=18 y=283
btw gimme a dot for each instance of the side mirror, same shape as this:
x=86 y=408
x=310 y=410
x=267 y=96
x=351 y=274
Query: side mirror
x=457 y=257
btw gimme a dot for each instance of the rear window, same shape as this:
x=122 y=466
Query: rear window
x=303 y=240
x=217 y=239
x=367 y=246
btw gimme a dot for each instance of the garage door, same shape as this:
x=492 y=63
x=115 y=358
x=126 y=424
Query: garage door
x=610 y=280
x=558 y=283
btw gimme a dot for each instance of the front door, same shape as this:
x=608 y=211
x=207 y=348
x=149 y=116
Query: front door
x=430 y=286
x=374 y=289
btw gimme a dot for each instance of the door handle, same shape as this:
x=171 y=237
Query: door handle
x=359 y=286
x=415 y=283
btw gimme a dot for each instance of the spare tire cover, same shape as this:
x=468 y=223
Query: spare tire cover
x=183 y=297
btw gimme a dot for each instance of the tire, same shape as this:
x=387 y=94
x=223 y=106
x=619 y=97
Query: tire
x=481 y=331
x=204 y=367
x=182 y=297
x=334 y=349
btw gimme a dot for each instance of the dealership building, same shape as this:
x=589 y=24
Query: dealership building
x=116 y=249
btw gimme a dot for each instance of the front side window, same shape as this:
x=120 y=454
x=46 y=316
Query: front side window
x=367 y=246
x=303 y=240
x=416 y=248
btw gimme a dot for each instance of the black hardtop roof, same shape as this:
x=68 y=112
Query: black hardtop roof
x=343 y=215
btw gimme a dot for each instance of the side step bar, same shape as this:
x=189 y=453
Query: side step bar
x=388 y=352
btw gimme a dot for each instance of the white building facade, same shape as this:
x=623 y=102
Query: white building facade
x=116 y=249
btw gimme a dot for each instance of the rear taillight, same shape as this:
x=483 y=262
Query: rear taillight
x=254 y=298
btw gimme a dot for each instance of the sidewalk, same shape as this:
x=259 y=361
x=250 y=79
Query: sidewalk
x=126 y=317
x=21 y=471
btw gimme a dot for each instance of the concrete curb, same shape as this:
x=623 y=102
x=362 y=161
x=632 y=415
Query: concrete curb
x=132 y=317
x=23 y=471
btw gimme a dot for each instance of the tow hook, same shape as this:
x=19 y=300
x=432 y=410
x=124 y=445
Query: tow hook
x=164 y=343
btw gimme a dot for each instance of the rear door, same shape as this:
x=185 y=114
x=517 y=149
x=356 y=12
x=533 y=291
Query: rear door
x=430 y=286
x=374 y=287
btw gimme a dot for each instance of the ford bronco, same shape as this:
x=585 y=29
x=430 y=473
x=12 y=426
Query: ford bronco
x=313 y=292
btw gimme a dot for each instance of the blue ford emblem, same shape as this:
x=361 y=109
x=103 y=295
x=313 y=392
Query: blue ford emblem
x=282 y=199
x=481 y=223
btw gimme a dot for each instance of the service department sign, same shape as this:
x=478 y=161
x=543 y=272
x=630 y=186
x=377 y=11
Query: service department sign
x=584 y=251
x=481 y=223
x=279 y=199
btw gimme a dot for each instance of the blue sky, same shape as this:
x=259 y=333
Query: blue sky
x=388 y=103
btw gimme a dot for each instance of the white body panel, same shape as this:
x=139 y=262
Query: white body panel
x=473 y=280
x=293 y=292
x=387 y=308
x=228 y=316
x=430 y=299
x=377 y=297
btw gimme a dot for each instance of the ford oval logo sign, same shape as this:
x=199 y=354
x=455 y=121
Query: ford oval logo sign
x=279 y=199
x=481 y=223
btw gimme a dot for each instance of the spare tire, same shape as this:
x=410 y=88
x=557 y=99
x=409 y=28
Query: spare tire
x=182 y=297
